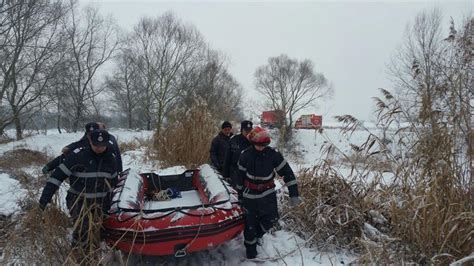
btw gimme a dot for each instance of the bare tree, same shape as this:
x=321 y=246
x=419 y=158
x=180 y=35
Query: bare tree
x=27 y=56
x=211 y=81
x=90 y=43
x=290 y=86
x=162 y=47
x=125 y=85
x=433 y=78
x=414 y=66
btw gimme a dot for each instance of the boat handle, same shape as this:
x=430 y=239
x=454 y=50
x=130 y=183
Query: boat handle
x=180 y=253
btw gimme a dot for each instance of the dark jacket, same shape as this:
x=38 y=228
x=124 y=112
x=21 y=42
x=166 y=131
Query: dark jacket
x=91 y=175
x=83 y=143
x=219 y=146
x=258 y=167
x=237 y=144
x=116 y=150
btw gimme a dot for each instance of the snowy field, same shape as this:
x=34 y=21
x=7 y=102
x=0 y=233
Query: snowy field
x=279 y=248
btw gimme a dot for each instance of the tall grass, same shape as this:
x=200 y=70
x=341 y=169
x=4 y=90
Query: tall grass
x=44 y=237
x=424 y=214
x=187 y=138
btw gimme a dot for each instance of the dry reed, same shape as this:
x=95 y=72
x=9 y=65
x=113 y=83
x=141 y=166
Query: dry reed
x=423 y=215
x=187 y=139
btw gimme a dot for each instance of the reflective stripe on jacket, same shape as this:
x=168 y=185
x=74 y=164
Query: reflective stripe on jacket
x=90 y=175
x=259 y=167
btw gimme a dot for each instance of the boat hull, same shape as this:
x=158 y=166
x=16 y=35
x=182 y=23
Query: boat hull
x=172 y=241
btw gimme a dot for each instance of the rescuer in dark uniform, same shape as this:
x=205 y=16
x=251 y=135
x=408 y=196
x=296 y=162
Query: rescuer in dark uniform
x=237 y=144
x=257 y=166
x=92 y=173
x=219 y=146
x=84 y=142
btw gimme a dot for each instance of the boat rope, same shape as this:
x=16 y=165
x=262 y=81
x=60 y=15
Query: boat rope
x=161 y=195
x=182 y=252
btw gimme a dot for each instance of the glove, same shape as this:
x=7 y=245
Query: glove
x=295 y=201
x=45 y=169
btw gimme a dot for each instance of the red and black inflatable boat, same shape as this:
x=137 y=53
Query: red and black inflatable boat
x=205 y=215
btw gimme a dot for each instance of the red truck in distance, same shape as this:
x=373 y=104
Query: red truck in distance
x=311 y=121
x=272 y=119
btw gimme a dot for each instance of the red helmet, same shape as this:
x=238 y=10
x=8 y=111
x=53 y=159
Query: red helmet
x=259 y=136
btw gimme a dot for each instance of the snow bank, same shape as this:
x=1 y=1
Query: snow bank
x=10 y=193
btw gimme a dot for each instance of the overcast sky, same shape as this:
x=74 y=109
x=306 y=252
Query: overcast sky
x=350 y=42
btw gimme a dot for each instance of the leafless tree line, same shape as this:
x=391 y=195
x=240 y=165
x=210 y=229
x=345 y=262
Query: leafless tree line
x=52 y=56
x=163 y=65
x=30 y=37
x=50 y=52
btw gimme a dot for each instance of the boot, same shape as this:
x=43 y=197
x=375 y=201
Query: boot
x=251 y=251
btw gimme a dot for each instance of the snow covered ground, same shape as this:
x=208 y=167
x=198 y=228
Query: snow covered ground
x=279 y=248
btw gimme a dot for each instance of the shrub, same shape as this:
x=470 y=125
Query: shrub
x=187 y=138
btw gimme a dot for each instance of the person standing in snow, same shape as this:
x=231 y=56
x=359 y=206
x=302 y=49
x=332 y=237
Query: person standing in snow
x=92 y=173
x=219 y=146
x=237 y=144
x=84 y=142
x=257 y=166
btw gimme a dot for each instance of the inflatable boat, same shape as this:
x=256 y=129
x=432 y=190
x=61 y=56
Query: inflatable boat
x=172 y=214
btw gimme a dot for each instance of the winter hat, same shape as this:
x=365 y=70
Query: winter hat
x=246 y=125
x=259 y=136
x=99 y=137
x=226 y=124
x=91 y=126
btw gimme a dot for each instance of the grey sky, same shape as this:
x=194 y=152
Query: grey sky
x=349 y=42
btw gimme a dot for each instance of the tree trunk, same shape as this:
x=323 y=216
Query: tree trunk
x=58 y=123
x=148 y=124
x=77 y=119
x=19 y=132
x=471 y=157
x=129 y=118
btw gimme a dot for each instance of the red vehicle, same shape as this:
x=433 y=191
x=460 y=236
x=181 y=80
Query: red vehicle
x=272 y=119
x=311 y=121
